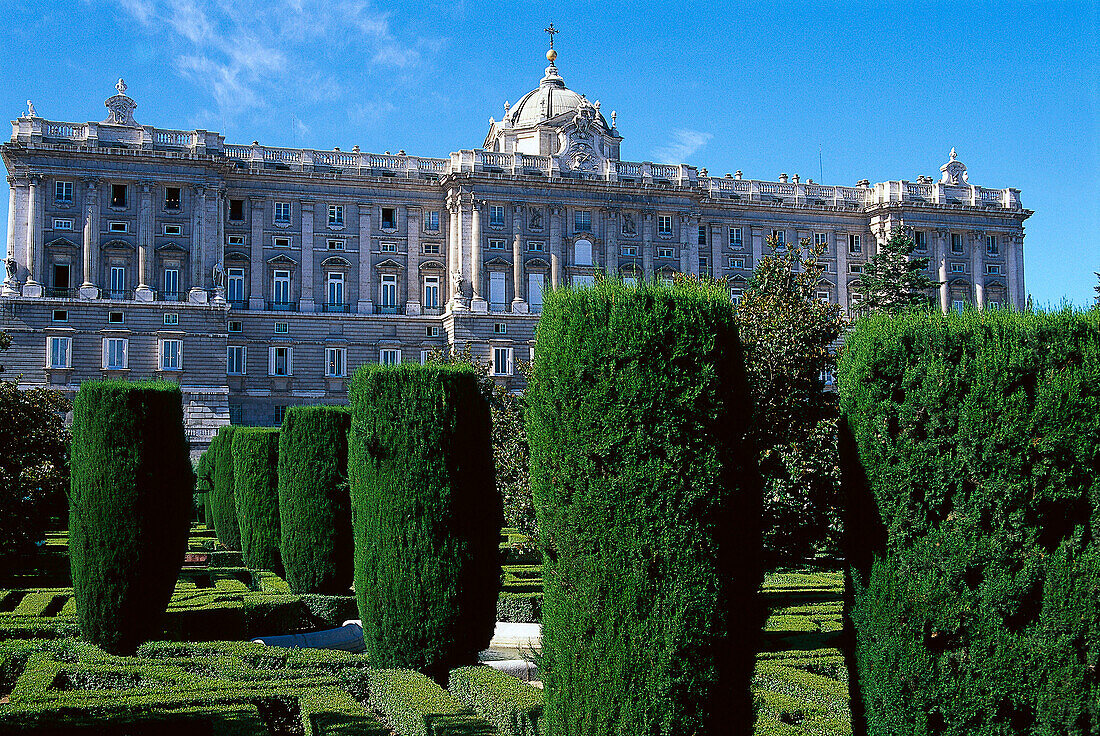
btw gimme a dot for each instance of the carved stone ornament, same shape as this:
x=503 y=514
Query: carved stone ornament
x=582 y=157
x=629 y=227
x=120 y=108
x=585 y=116
x=954 y=171
x=11 y=265
x=536 y=218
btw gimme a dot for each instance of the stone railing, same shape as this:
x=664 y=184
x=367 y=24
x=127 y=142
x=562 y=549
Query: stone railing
x=951 y=194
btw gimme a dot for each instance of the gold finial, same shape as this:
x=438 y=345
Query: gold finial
x=551 y=55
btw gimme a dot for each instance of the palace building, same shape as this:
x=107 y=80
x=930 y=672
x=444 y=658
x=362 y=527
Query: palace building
x=260 y=277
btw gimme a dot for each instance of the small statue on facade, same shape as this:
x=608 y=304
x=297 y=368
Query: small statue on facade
x=459 y=284
x=31 y=112
x=629 y=228
x=218 y=276
x=536 y=218
x=11 y=265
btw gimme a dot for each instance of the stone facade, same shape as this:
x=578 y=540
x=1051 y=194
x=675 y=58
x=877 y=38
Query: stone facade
x=260 y=277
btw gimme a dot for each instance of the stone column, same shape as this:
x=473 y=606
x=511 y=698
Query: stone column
x=555 y=245
x=942 y=237
x=88 y=289
x=756 y=233
x=693 y=244
x=257 y=208
x=10 y=287
x=519 y=279
x=718 y=238
x=457 y=299
x=841 y=249
x=977 y=247
x=478 y=303
x=143 y=292
x=1021 y=291
x=412 y=266
x=1010 y=277
x=647 y=246
x=611 y=242
x=366 y=269
x=305 y=301
x=197 y=293
x=217 y=253
x=33 y=286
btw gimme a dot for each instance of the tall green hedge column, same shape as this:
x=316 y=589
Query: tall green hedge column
x=256 y=491
x=204 y=485
x=223 y=506
x=130 y=508
x=648 y=502
x=975 y=448
x=314 y=503
x=426 y=514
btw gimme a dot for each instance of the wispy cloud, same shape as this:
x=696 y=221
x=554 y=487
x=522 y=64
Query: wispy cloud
x=682 y=145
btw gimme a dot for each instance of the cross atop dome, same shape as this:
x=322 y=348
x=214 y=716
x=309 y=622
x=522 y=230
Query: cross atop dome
x=551 y=55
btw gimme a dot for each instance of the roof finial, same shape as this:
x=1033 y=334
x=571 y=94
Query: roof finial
x=121 y=86
x=551 y=55
x=953 y=154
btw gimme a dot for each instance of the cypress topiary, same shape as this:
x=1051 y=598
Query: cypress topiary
x=204 y=485
x=314 y=501
x=222 y=502
x=975 y=442
x=649 y=511
x=130 y=507
x=426 y=515
x=256 y=490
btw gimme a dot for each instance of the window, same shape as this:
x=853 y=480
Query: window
x=993 y=268
x=281 y=287
x=582 y=252
x=114 y=353
x=496 y=244
x=582 y=221
x=236 y=209
x=171 y=318
x=118 y=195
x=665 y=252
x=994 y=306
x=823 y=296
x=236 y=414
x=431 y=221
x=502 y=361
x=737 y=262
x=956 y=243
x=735 y=238
x=282 y=213
x=536 y=246
x=991 y=245
x=335 y=362
x=282 y=328
x=235 y=240
x=115 y=318
x=821 y=240
x=702 y=235
x=58 y=352
x=388 y=247
x=118 y=282
x=117 y=227
x=280 y=242
x=855 y=268
x=335 y=244
x=279 y=414
x=235 y=282
x=425 y=356
x=535 y=283
x=234 y=360
x=389 y=218
x=63 y=192
x=432 y=248
x=431 y=292
x=630 y=280
x=171 y=355
x=62 y=224
x=172 y=198
x=958 y=305
x=854 y=244
x=629 y=250
x=281 y=361
x=336 y=289
x=173 y=230
x=431 y=331
x=958 y=268
x=780 y=238
x=496 y=290
x=336 y=215
x=388 y=292
x=235 y=326
x=920 y=241
x=496 y=215
x=60 y=315
x=389 y=356
x=664 y=226
x=704 y=265
x=500 y=328
x=735 y=295
x=61 y=278
x=171 y=285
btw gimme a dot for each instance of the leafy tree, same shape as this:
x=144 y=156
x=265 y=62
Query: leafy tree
x=893 y=281
x=34 y=465
x=787 y=333
x=1097 y=287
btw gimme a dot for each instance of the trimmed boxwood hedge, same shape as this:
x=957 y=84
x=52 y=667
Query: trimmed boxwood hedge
x=413 y=705
x=256 y=492
x=223 y=504
x=426 y=515
x=972 y=462
x=648 y=500
x=204 y=485
x=130 y=508
x=314 y=502
x=514 y=707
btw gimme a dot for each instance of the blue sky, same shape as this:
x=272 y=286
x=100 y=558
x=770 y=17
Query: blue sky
x=883 y=90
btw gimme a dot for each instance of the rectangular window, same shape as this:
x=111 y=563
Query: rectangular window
x=282 y=328
x=735 y=238
x=920 y=241
x=171 y=290
x=335 y=362
x=665 y=252
x=958 y=305
x=281 y=287
x=235 y=326
x=994 y=306
x=735 y=295
x=431 y=331
x=535 y=283
x=993 y=268
x=780 y=238
x=664 y=226
x=389 y=218
x=171 y=318
x=63 y=192
x=628 y=250
x=282 y=213
x=281 y=361
x=704 y=266
x=992 y=247
x=280 y=242
x=536 y=246
x=62 y=224
x=821 y=240
x=117 y=227
x=61 y=278
x=582 y=221
x=496 y=290
x=496 y=215
x=855 y=268
x=823 y=296
x=855 y=245
x=388 y=291
x=389 y=356
x=236 y=210
x=118 y=195
x=58 y=352
x=431 y=221
x=235 y=283
x=425 y=356
x=502 y=361
x=737 y=262
x=500 y=328
x=171 y=355
x=235 y=240
x=958 y=268
x=115 y=318
x=171 y=198
x=335 y=244
x=336 y=215
x=956 y=243
x=702 y=235
x=114 y=353
x=336 y=289
x=431 y=292
x=118 y=282
x=234 y=360
x=388 y=247
x=60 y=315
x=496 y=244
x=432 y=248
x=278 y=414
x=173 y=230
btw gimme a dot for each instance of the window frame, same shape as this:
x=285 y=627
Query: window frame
x=62 y=223
x=855 y=244
x=117 y=201
x=496 y=215
x=66 y=344
x=242 y=360
x=63 y=191
x=282 y=213
x=336 y=216
x=508 y=355
x=664 y=226
x=287 y=356
x=582 y=221
x=173 y=229
x=395 y=353
x=336 y=362
x=178 y=199
x=736 y=238
x=431 y=221
x=178 y=357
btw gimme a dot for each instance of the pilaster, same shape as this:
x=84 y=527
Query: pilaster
x=145 y=230
x=555 y=214
x=519 y=278
x=33 y=287
x=88 y=289
x=305 y=302
x=366 y=268
x=412 y=270
x=478 y=303
x=256 y=210
x=197 y=294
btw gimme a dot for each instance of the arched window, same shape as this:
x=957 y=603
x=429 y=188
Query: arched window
x=582 y=252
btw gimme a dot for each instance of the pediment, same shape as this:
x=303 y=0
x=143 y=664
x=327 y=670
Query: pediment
x=630 y=269
x=432 y=266
x=282 y=260
x=237 y=255
x=667 y=269
x=958 y=281
x=118 y=243
x=498 y=262
x=537 y=263
x=170 y=246
x=738 y=278
x=336 y=261
x=61 y=243
x=997 y=281
x=389 y=264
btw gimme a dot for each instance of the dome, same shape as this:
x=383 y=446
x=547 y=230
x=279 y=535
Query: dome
x=550 y=99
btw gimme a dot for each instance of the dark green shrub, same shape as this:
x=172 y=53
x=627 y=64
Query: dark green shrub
x=648 y=504
x=972 y=460
x=426 y=513
x=256 y=492
x=223 y=503
x=204 y=485
x=130 y=503
x=514 y=707
x=314 y=503
x=413 y=705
